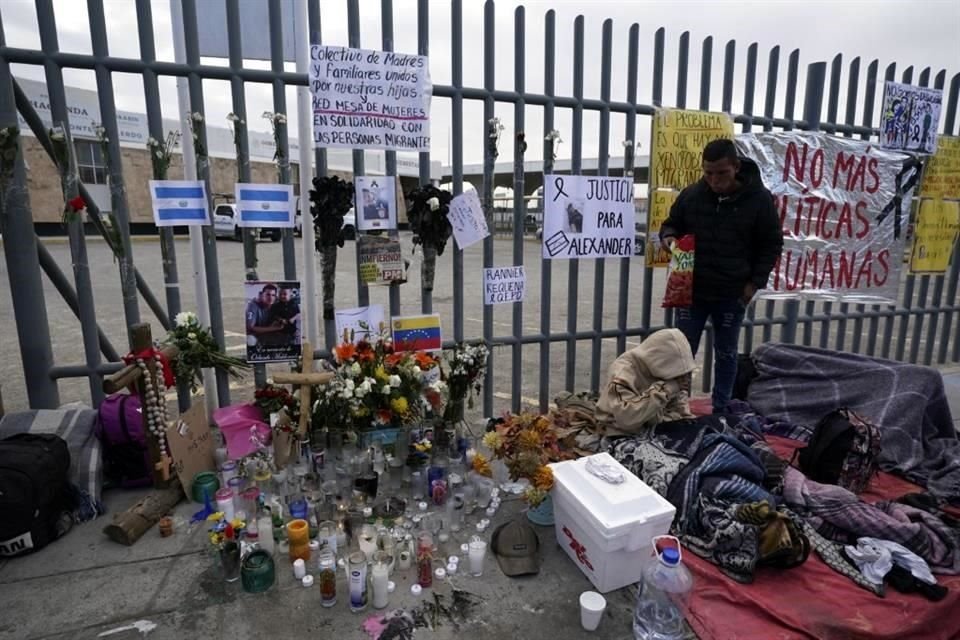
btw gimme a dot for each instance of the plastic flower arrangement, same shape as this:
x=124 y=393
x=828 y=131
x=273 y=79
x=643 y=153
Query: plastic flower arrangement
x=221 y=530
x=526 y=443
x=374 y=387
x=198 y=350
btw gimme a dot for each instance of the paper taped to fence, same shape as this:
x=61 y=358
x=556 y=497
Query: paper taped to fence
x=179 y=203
x=376 y=202
x=364 y=99
x=677 y=139
x=843 y=227
x=363 y=322
x=265 y=205
x=934 y=236
x=503 y=285
x=910 y=117
x=941 y=176
x=380 y=259
x=467 y=219
x=588 y=217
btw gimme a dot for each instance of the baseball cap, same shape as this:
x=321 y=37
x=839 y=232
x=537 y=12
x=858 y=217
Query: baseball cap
x=517 y=548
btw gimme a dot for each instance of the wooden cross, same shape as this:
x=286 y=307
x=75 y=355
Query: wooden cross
x=306 y=379
x=141 y=338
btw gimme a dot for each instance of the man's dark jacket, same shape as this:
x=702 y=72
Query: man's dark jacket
x=738 y=237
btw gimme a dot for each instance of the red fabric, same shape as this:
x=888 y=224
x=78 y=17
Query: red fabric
x=814 y=601
x=147 y=355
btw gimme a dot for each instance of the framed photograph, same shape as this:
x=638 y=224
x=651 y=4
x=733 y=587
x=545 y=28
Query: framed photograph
x=273 y=321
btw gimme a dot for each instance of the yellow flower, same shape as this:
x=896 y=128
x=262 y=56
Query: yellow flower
x=543 y=479
x=423 y=446
x=381 y=374
x=529 y=439
x=492 y=440
x=534 y=496
x=216 y=516
x=237 y=523
x=482 y=466
x=216 y=538
x=541 y=424
x=400 y=405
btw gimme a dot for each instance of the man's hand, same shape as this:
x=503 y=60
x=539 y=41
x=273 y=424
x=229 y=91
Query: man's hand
x=670 y=242
x=749 y=290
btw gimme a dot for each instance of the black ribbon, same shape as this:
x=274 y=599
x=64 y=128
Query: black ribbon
x=903 y=183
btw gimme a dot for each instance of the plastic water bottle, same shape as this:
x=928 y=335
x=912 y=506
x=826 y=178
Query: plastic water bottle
x=662 y=596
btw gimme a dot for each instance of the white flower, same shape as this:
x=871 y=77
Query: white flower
x=355 y=368
x=627 y=143
x=152 y=142
x=394 y=381
x=192 y=335
x=57 y=135
x=268 y=115
x=280 y=119
x=350 y=384
x=494 y=122
x=359 y=392
x=434 y=203
x=232 y=117
x=416 y=370
x=439 y=386
x=385 y=390
x=159 y=154
x=185 y=318
x=554 y=135
x=365 y=386
x=347 y=393
x=197 y=116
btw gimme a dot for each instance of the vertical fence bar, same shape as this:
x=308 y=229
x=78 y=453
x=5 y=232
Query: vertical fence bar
x=924 y=81
x=769 y=109
x=118 y=197
x=78 y=245
x=633 y=57
x=659 y=39
x=359 y=168
x=945 y=332
x=706 y=60
x=386 y=20
x=853 y=84
x=683 y=57
x=599 y=269
x=938 y=281
x=275 y=21
x=203 y=173
x=833 y=107
x=423 y=49
x=519 y=204
x=573 y=275
x=242 y=147
x=749 y=92
x=869 y=98
x=549 y=149
x=456 y=120
x=889 y=319
x=904 y=325
x=489 y=162
x=20 y=246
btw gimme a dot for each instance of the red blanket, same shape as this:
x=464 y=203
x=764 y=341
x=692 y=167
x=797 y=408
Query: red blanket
x=813 y=601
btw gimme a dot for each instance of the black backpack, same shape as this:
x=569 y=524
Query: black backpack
x=843 y=450
x=35 y=499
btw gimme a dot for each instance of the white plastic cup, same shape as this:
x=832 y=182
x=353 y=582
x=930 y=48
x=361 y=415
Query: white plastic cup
x=592 y=605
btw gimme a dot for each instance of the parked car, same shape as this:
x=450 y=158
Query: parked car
x=225 y=217
x=349 y=224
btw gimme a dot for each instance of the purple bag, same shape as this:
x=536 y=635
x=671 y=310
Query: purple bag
x=120 y=429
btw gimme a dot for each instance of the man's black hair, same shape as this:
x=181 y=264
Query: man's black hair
x=268 y=287
x=719 y=149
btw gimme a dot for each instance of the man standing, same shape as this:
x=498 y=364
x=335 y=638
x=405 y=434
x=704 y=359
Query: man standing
x=738 y=240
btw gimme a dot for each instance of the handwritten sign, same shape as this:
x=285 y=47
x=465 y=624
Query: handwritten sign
x=941 y=177
x=380 y=259
x=191 y=446
x=657 y=213
x=362 y=322
x=365 y=99
x=843 y=227
x=934 y=236
x=504 y=285
x=467 y=219
x=910 y=117
x=678 y=137
x=588 y=217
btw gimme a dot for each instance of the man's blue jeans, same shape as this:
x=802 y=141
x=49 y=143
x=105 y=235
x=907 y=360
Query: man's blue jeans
x=727 y=317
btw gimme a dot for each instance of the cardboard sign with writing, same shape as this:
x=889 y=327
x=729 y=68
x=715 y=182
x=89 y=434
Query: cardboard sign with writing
x=934 y=236
x=678 y=137
x=191 y=446
x=660 y=202
x=941 y=176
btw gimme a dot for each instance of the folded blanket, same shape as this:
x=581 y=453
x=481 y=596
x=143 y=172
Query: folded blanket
x=76 y=426
x=799 y=385
x=841 y=516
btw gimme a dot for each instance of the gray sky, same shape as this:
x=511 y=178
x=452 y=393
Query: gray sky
x=920 y=33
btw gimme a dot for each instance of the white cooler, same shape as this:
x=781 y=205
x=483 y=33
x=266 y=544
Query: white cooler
x=605 y=528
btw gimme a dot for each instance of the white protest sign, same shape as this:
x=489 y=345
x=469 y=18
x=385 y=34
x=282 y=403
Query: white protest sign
x=365 y=99
x=467 y=219
x=503 y=285
x=588 y=217
x=364 y=322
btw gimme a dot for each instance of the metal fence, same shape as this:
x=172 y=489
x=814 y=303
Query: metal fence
x=925 y=317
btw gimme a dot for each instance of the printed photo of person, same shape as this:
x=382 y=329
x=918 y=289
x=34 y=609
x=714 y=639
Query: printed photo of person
x=375 y=202
x=272 y=321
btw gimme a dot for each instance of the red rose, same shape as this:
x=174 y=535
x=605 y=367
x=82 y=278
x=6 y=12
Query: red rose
x=77 y=204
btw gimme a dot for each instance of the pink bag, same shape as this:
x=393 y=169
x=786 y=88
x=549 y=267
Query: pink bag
x=235 y=423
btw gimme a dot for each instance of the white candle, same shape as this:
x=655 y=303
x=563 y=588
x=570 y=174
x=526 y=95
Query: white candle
x=381 y=592
x=299 y=569
x=478 y=549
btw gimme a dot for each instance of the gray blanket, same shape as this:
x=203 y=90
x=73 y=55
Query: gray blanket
x=76 y=426
x=800 y=385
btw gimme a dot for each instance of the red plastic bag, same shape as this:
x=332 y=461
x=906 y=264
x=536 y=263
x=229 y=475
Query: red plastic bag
x=679 y=291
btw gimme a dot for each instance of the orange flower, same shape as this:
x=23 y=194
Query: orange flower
x=482 y=466
x=529 y=439
x=394 y=359
x=366 y=355
x=345 y=351
x=385 y=416
x=425 y=360
x=543 y=479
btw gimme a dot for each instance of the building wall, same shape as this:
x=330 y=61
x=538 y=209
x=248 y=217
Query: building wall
x=46 y=197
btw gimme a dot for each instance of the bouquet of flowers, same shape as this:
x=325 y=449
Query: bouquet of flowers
x=427 y=209
x=198 y=350
x=330 y=199
x=373 y=387
x=271 y=399
x=466 y=365
x=526 y=443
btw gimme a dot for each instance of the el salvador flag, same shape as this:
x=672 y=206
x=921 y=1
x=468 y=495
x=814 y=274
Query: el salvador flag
x=265 y=205
x=179 y=202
